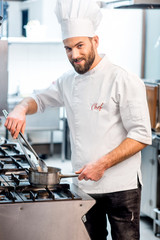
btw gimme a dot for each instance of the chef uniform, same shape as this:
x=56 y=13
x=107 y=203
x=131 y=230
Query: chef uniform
x=104 y=106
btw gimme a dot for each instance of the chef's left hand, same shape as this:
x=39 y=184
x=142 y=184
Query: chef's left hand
x=92 y=171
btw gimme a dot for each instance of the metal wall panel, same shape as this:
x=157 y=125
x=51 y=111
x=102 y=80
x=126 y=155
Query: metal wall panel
x=3 y=75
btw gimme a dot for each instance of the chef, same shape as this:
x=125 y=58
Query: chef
x=108 y=119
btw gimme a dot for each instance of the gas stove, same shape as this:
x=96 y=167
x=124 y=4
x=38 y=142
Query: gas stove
x=11 y=158
x=14 y=183
x=15 y=187
x=37 y=213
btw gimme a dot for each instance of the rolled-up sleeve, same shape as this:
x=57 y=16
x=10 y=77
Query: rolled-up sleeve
x=134 y=108
x=50 y=97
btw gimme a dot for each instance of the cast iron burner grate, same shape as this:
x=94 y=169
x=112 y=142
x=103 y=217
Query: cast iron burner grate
x=9 y=197
x=58 y=193
x=14 y=182
x=12 y=158
x=15 y=179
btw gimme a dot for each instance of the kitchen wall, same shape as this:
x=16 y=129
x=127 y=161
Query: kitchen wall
x=33 y=61
x=41 y=10
x=121 y=37
x=34 y=65
x=152 y=68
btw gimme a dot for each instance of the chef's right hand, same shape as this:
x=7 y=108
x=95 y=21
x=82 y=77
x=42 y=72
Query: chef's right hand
x=16 y=122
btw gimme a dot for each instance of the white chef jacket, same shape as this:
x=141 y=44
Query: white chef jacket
x=103 y=106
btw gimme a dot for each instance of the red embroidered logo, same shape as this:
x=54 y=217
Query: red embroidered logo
x=96 y=107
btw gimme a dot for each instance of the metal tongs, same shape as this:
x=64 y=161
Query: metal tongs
x=41 y=166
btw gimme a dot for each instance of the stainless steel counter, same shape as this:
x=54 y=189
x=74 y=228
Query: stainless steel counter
x=151 y=181
x=56 y=220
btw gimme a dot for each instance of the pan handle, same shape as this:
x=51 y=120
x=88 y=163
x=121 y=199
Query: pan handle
x=67 y=175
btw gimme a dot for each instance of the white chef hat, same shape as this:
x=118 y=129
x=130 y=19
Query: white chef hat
x=78 y=18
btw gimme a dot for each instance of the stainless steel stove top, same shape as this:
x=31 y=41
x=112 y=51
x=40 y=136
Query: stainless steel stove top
x=37 y=213
x=14 y=183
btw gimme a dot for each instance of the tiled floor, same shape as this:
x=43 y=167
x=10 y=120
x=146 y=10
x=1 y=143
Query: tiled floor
x=146 y=225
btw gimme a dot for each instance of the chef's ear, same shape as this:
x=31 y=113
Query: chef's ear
x=95 y=41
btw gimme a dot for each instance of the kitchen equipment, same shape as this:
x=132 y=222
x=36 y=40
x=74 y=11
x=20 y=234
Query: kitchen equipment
x=1 y=11
x=136 y=4
x=1 y=18
x=38 y=213
x=3 y=73
x=42 y=166
x=31 y=163
x=156 y=222
x=153 y=99
x=11 y=158
x=152 y=96
x=151 y=181
x=49 y=179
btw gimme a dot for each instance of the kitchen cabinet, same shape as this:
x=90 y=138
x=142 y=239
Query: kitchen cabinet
x=151 y=182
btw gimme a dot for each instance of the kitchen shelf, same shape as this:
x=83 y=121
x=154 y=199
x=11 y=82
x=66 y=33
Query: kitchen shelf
x=32 y=41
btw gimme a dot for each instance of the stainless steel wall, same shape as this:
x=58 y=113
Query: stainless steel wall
x=3 y=75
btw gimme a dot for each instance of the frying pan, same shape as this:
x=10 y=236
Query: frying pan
x=47 y=179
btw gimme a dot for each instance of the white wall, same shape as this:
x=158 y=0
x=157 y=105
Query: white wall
x=34 y=66
x=35 y=10
x=14 y=19
x=41 y=10
x=121 y=37
x=50 y=20
x=152 y=68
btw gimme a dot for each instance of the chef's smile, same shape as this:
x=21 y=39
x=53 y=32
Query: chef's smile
x=78 y=61
x=81 y=53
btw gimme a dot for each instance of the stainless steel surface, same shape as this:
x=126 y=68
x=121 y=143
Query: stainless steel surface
x=3 y=75
x=140 y=4
x=1 y=14
x=42 y=167
x=151 y=181
x=60 y=220
x=49 y=179
x=19 y=0
x=156 y=222
x=38 y=213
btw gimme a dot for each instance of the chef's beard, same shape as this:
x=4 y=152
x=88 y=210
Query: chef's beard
x=89 y=59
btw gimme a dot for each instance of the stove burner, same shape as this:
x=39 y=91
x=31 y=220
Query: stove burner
x=23 y=175
x=9 y=149
x=2 y=197
x=14 y=183
x=9 y=197
x=14 y=179
x=2 y=140
x=42 y=194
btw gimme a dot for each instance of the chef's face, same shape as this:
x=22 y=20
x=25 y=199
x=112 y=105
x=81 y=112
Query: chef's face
x=81 y=52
